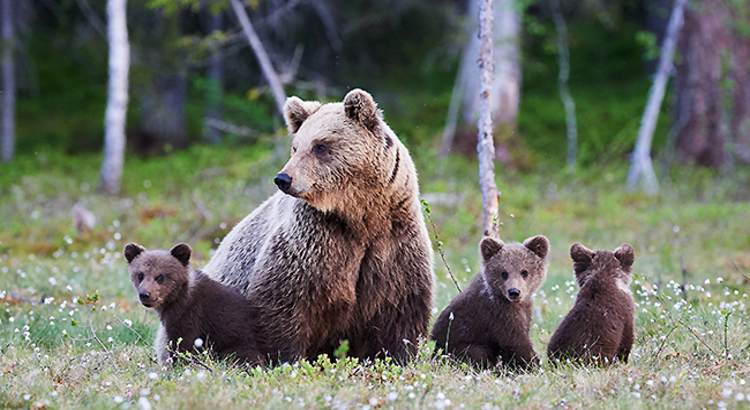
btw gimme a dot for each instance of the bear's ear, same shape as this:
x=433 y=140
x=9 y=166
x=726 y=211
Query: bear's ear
x=538 y=244
x=581 y=256
x=360 y=107
x=489 y=247
x=296 y=112
x=182 y=253
x=626 y=255
x=132 y=250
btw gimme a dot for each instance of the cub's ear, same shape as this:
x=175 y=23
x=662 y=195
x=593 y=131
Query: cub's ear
x=581 y=256
x=132 y=250
x=296 y=112
x=182 y=253
x=538 y=244
x=626 y=255
x=360 y=107
x=489 y=247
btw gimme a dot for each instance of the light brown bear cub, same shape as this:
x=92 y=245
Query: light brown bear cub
x=196 y=312
x=600 y=325
x=489 y=322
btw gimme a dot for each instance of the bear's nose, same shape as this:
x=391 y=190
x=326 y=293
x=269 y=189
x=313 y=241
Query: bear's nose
x=144 y=295
x=283 y=181
x=514 y=293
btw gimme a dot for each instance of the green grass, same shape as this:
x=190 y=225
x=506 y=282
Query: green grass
x=694 y=356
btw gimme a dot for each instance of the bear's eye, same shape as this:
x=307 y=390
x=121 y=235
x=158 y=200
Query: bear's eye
x=320 y=148
x=140 y=277
x=160 y=279
x=524 y=273
x=504 y=275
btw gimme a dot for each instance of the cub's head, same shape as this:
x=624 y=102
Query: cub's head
x=515 y=270
x=159 y=276
x=603 y=265
x=339 y=149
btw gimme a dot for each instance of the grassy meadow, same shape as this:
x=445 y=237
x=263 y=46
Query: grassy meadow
x=72 y=334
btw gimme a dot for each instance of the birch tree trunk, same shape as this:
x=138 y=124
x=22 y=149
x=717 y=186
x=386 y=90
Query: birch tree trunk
x=641 y=168
x=214 y=87
x=485 y=144
x=260 y=53
x=117 y=97
x=9 y=82
x=506 y=84
x=563 y=61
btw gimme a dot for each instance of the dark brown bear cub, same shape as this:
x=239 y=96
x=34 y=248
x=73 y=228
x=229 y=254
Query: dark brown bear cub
x=599 y=328
x=489 y=322
x=196 y=312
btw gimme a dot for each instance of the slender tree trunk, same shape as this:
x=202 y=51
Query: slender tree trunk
x=9 y=82
x=214 y=88
x=117 y=97
x=506 y=85
x=703 y=48
x=563 y=60
x=641 y=167
x=446 y=142
x=260 y=53
x=486 y=145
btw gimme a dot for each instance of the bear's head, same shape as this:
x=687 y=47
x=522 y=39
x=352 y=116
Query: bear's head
x=514 y=271
x=603 y=265
x=159 y=276
x=339 y=152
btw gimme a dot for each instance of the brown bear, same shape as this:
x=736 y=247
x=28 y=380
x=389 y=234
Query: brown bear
x=600 y=326
x=342 y=251
x=489 y=322
x=195 y=311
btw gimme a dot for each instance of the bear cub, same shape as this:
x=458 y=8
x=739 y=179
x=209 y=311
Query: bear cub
x=599 y=328
x=195 y=311
x=488 y=323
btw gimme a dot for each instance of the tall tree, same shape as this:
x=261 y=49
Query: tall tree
x=704 y=47
x=506 y=86
x=9 y=81
x=641 y=168
x=486 y=144
x=117 y=97
x=214 y=86
x=563 y=61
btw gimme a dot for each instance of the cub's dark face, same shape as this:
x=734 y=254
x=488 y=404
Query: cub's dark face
x=604 y=265
x=159 y=276
x=515 y=270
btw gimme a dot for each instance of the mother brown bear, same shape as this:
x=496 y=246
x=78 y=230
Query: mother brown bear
x=342 y=252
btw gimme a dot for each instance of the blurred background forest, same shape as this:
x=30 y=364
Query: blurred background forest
x=195 y=80
x=204 y=135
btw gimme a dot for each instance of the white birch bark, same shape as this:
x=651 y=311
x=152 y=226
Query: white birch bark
x=563 y=61
x=486 y=144
x=506 y=86
x=9 y=82
x=117 y=97
x=261 y=55
x=641 y=168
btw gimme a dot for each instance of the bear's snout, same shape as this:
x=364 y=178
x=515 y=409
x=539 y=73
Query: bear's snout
x=145 y=298
x=514 y=294
x=283 y=181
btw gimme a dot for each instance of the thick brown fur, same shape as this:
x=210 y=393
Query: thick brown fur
x=488 y=323
x=343 y=253
x=599 y=328
x=190 y=306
